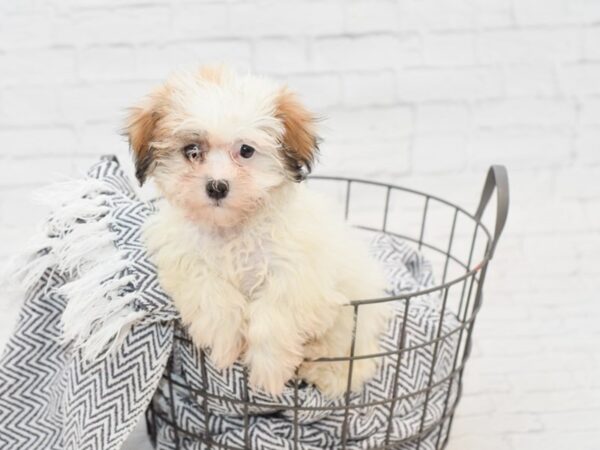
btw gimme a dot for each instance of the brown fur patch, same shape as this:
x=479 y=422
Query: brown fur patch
x=141 y=127
x=300 y=141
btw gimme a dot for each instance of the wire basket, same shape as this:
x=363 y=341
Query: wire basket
x=458 y=245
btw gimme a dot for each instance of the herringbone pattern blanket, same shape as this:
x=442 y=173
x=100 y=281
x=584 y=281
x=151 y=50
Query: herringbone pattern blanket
x=96 y=331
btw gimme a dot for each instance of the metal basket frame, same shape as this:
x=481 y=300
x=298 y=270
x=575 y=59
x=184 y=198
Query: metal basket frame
x=471 y=288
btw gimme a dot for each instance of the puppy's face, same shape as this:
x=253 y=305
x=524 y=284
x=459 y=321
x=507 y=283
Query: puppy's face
x=219 y=145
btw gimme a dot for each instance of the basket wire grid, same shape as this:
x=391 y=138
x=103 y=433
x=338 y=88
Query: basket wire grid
x=462 y=253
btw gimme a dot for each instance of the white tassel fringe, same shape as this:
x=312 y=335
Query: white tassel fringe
x=78 y=243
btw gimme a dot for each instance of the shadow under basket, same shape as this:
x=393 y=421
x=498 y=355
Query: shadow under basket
x=412 y=404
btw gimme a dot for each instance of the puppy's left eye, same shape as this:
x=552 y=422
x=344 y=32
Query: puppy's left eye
x=192 y=152
x=246 y=151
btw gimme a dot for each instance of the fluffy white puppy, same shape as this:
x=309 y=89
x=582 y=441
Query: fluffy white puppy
x=255 y=263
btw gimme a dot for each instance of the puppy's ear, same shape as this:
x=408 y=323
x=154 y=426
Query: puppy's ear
x=300 y=143
x=140 y=128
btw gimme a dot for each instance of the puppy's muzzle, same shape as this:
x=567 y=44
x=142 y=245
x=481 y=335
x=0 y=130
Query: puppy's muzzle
x=217 y=189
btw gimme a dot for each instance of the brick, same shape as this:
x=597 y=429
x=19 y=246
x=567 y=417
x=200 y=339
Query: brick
x=233 y=52
x=592 y=214
x=571 y=421
x=286 y=19
x=525 y=112
x=201 y=20
x=39 y=141
x=11 y=244
x=319 y=92
x=369 y=88
x=107 y=63
x=102 y=4
x=530 y=364
x=522 y=149
x=101 y=138
x=347 y=156
x=439 y=153
x=154 y=62
x=580 y=79
x=528 y=79
x=47 y=66
x=586 y=378
x=587 y=147
x=129 y=25
x=486 y=383
x=582 y=11
x=370 y=122
x=554 y=401
x=494 y=13
x=590 y=111
x=493 y=442
x=31 y=212
x=367 y=16
x=433 y=15
x=589 y=244
x=572 y=218
x=34 y=172
x=449 y=49
x=547 y=382
x=557 y=441
x=30 y=105
x=280 y=56
x=580 y=183
x=528 y=12
x=475 y=405
x=451 y=117
x=100 y=101
x=491 y=424
x=592 y=43
x=532 y=185
x=373 y=51
x=544 y=247
x=24 y=7
x=525 y=46
x=21 y=31
x=507 y=346
x=449 y=84
x=157 y=62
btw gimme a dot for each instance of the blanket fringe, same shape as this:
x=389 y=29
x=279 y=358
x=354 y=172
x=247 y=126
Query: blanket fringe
x=78 y=243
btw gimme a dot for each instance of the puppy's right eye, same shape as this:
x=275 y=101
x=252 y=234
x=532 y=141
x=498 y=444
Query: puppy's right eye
x=192 y=152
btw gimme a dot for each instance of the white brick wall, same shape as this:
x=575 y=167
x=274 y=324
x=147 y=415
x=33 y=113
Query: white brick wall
x=423 y=93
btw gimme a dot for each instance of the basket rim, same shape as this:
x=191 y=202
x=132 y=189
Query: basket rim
x=476 y=267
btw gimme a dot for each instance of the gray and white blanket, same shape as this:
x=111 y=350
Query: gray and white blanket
x=96 y=332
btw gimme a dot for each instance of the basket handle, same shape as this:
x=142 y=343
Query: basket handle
x=497 y=177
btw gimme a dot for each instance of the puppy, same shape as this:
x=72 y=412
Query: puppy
x=255 y=263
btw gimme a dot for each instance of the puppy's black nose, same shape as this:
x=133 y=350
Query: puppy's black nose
x=217 y=189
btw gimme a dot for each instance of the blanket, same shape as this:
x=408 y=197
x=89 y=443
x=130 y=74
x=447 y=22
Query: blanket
x=97 y=339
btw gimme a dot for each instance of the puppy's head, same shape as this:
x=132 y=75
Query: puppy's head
x=218 y=145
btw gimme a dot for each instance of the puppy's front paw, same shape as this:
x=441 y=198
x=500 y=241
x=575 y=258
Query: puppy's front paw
x=269 y=373
x=226 y=343
x=226 y=349
x=331 y=378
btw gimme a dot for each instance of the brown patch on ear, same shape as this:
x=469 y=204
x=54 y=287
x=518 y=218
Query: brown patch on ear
x=300 y=141
x=140 y=127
